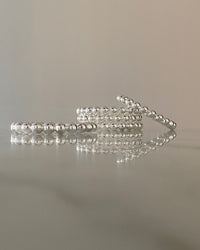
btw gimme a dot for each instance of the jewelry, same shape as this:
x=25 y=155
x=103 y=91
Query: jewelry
x=111 y=117
x=91 y=118
x=149 y=113
x=48 y=128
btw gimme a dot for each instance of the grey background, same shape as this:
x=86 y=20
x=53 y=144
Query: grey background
x=58 y=55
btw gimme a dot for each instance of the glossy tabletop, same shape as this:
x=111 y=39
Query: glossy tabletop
x=100 y=191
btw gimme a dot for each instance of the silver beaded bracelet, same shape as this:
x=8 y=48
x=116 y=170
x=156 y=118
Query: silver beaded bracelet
x=48 y=128
x=130 y=103
x=91 y=118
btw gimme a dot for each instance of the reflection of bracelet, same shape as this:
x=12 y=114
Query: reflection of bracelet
x=127 y=145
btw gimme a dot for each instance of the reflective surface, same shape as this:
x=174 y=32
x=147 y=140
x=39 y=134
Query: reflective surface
x=127 y=145
x=100 y=191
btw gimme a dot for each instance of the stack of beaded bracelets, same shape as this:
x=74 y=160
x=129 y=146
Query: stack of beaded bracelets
x=111 y=118
x=128 y=117
x=89 y=119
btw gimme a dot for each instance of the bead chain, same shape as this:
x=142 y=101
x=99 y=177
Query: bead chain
x=48 y=128
x=130 y=103
x=104 y=110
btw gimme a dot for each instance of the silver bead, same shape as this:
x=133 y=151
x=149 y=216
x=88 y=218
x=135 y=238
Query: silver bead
x=140 y=125
x=59 y=127
x=174 y=125
x=97 y=118
x=161 y=117
x=137 y=117
x=129 y=110
x=91 y=118
x=49 y=128
x=89 y=127
x=87 y=110
x=104 y=109
x=126 y=117
x=121 y=99
x=12 y=126
x=81 y=110
x=118 y=98
x=36 y=128
x=145 y=110
x=127 y=102
x=131 y=125
x=153 y=114
x=131 y=101
x=125 y=99
x=163 y=121
x=94 y=127
x=18 y=127
x=171 y=123
x=167 y=120
x=107 y=126
x=112 y=125
x=103 y=125
x=94 y=110
x=123 y=110
x=86 y=118
x=97 y=109
x=137 y=104
x=25 y=128
x=107 y=118
x=117 y=118
x=73 y=127
x=79 y=118
x=81 y=127
x=67 y=127
x=121 y=125
x=133 y=117
x=137 y=111
x=113 y=109
x=136 y=125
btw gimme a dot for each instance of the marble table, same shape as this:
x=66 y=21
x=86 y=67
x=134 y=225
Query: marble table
x=100 y=192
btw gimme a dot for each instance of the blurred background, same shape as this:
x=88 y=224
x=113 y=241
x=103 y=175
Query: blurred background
x=58 y=55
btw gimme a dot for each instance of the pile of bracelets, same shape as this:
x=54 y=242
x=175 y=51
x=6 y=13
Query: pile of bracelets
x=89 y=119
